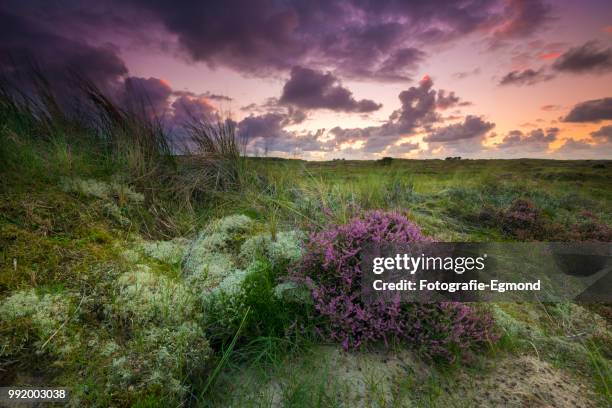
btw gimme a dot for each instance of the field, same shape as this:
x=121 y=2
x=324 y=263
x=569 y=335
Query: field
x=135 y=277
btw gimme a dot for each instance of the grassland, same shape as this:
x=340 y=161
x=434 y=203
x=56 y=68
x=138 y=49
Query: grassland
x=104 y=236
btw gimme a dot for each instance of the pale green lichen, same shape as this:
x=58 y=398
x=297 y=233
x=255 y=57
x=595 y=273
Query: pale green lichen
x=102 y=190
x=285 y=248
x=45 y=316
x=214 y=268
x=171 y=252
x=159 y=357
x=143 y=296
x=210 y=257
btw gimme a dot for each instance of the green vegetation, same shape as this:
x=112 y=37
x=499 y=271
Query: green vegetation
x=140 y=278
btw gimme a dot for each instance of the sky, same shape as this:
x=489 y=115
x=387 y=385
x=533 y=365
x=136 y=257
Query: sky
x=361 y=79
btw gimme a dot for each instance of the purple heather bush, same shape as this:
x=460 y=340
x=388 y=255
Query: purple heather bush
x=331 y=269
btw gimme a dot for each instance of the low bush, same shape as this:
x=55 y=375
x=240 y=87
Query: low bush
x=331 y=269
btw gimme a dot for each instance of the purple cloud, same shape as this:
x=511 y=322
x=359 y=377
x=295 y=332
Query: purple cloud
x=24 y=42
x=471 y=128
x=591 y=111
x=310 y=89
x=589 y=57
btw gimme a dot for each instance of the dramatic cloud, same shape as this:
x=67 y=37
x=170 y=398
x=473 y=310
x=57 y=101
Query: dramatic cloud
x=550 y=108
x=526 y=77
x=353 y=38
x=418 y=107
x=24 y=42
x=310 y=89
x=591 y=111
x=537 y=140
x=604 y=134
x=585 y=58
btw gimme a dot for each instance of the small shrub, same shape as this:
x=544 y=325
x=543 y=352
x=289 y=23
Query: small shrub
x=589 y=228
x=252 y=289
x=331 y=269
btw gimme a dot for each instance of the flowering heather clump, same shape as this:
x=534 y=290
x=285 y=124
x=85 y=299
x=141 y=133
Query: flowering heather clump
x=331 y=269
x=522 y=219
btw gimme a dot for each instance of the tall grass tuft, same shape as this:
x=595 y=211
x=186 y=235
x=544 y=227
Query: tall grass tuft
x=219 y=153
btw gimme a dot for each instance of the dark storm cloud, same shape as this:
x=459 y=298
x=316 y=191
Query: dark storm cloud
x=526 y=77
x=536 y=140
x=603 y=134
x=589 y=57
x=472 y=127
x=310 y=89
x=24 y=41
x=376 y=40
x=380 y=40
x=591 y=111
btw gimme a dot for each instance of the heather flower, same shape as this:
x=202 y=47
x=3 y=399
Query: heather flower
x=331 y=269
